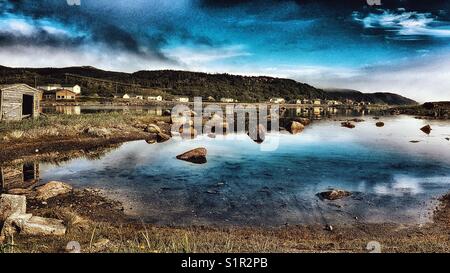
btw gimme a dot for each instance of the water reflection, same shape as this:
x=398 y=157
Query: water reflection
x=393 y=179
x=19 y=176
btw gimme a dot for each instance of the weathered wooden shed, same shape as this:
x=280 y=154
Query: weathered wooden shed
x=18 y=101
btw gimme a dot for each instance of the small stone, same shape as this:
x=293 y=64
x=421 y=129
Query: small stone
x=348 y=124
x=426 y=129
x=329 y=227
x=379 y=124
x=52 y=189
x=197 y=156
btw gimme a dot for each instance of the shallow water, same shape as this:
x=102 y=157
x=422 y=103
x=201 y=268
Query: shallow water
x=393 y=180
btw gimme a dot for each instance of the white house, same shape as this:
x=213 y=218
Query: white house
x=182 y=99
x=317 y=102
x=227 y=100
x=277 y=100
x=70 y=87
x=126 y=96
x=155 y=98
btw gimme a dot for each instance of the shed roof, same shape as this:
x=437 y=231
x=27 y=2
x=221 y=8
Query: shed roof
x=12 y=86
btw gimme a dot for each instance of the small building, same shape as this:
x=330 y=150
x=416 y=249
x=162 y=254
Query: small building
x=138 y=97
x=303 y=101
x=277 y=100
x=126 y=96
x=74 y=88
x=333 y=102
x=155 y=98
x=210 y=98
x=317 y=102
x=18 y=101
x=227 y=100
x=182 y=99
x=55 y=86
x=64 y=94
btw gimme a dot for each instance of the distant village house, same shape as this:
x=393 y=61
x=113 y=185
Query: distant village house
x=277 y=100
x=182 y=99
x=53 y=87
x=155 y=98
x=227 y=100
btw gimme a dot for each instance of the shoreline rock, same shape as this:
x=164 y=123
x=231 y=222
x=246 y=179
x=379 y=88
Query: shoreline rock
x=335 y=194
x=196 y=156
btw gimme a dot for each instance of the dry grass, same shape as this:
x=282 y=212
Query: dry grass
x=73 y=125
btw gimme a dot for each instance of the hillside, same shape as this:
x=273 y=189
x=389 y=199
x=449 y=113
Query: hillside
x=375 y=98
x=174 y=83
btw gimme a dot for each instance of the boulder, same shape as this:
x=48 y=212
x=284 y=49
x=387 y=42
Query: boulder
x=12 y=204
x=348 y=124
x=42 y=226
x=334 y=194
x=379 y=124
x=426 y=129
x=303 y=121
x=161 y=137
x=52 y=189
x=167 y=113
x=295 y=127
x=14 y=224
x=447 y=138
x=153 y=129
x=197 y=156
x=356 y=120
x=97 y=132
x=257 y=134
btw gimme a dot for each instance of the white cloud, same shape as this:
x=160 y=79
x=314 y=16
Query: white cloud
x=200 y=56
x=404 y=24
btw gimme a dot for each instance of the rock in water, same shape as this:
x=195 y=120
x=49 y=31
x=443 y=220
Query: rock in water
x=426 y=129
x=12 y=204
x=197 y=156
x=347 y=124
x=335 y=194
x=258 y=134
x=295 y=127
x=52 y=189
x=161 y=137
x=447 y=138
x=380 y=124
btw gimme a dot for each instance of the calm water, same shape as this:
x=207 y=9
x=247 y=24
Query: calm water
x=393 y=180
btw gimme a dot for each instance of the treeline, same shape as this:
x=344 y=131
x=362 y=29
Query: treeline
x=171 y=83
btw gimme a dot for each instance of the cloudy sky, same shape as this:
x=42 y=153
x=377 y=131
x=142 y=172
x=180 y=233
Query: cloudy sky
x=401 y=46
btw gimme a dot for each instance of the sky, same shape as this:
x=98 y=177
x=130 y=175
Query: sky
x=400 y=46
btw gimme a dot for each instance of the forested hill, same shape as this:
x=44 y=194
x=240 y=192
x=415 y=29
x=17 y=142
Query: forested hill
x=168 y=83
x=376 y=98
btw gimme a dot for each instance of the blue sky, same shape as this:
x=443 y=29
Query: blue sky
x=401 y=46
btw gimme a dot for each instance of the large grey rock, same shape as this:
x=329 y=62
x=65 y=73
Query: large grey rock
x=42 y=226
x=197 y=156
x=52 y=189
x=152 y=128
x=14 y=224
x=98 y=132
x=11 y=204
